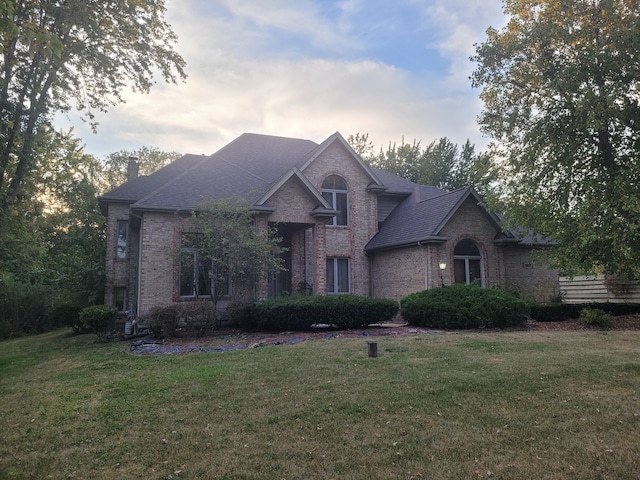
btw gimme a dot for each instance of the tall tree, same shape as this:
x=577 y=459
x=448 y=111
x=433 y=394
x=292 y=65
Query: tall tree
x=561 y=91
x=230 y=250
x=471 y=169
x=71 y=225
x=149 y=160
x=437 y=163
x=82 y=53
x=361 y=145
x=403 y=160
x=440 y=164
x=55 y=232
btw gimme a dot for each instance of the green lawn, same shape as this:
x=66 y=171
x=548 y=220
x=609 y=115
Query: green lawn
x=526 y=405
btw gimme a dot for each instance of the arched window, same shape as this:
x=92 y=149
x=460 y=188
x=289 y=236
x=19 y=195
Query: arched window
x=467 y=263
x=334 y=191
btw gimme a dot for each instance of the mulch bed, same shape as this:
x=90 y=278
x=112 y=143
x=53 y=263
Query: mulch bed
x=229 y=339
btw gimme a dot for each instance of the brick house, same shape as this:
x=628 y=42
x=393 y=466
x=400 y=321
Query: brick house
x=348 y=228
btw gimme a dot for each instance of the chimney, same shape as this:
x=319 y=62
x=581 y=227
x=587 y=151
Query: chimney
x=132 y=168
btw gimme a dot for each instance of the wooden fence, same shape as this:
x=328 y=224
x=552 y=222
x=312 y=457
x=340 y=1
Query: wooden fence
x=591 y=289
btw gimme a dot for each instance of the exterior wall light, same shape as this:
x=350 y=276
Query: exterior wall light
x=443 y=266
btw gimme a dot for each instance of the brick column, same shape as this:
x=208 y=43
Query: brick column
x=320 y=274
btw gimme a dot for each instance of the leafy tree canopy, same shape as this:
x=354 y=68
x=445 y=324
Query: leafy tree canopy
x=74 y=53
x=561 y=91
x=55 y=233
x=225 y=234
x=441 y=163
x=149 y=160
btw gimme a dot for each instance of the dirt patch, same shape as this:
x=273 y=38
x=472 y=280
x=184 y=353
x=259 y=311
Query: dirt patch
x=229 y=339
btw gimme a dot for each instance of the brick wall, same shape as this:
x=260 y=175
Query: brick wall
x=293 y=204
x=396 y=273
x=159 y=260
x=347 y=241
x=527 y=271
x=469 y=222
x=118 y=271
x=402 y=271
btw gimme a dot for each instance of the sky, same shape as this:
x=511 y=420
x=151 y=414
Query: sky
x=307 y=68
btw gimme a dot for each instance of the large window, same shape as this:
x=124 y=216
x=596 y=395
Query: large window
x=338 y=275
x=334 y=191
x=467 y=263
x=195 y=271
x=197 y=274
x=122 y=231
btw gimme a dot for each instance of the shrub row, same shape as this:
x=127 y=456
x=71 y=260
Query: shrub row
x=28 y=309
x=464 y=306
x=189 y=318
x=554 y=312
x=340 y=311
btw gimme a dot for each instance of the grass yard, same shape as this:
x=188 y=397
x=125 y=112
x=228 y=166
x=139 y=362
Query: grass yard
x=523 y=405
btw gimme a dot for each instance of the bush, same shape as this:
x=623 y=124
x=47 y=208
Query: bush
x=340 y=311
x=594 y=317
x=98 y=319
x=238 y=313
x=187 y=319
x=23 y=308
x=162 y=321
x=196 y=318
x=64 y=314
x=554 y=312
x=616 y=309
x=464 y=306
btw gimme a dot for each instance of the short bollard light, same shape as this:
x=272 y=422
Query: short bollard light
x=372 y=349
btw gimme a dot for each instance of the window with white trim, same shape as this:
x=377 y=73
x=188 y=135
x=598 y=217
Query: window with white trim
x=334 y=191
x=338 y=275
x=467 y=263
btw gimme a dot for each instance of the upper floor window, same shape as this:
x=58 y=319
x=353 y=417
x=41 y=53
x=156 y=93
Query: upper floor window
x=334 y=191
x=122 y=233
x=467 y=263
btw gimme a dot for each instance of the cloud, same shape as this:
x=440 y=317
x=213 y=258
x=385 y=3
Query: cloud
x=244 y=77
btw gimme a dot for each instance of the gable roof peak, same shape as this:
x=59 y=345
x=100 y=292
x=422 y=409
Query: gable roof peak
x=337 y=137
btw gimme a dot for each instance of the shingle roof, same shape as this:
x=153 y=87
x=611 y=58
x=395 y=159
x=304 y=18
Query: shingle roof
x=245 y=168
x=421 y=217
x=252 y=165
x=415 y=220
x=141 y=186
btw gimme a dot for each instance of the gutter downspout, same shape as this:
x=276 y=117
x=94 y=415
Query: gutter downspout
x=139 y=273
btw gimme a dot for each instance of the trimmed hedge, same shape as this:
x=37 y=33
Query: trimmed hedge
x=464 y=306
x=340 y=311
x=555 y=312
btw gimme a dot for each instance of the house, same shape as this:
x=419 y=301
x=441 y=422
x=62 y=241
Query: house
x=348 y=228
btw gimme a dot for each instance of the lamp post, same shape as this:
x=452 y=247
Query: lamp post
x=443 y=266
